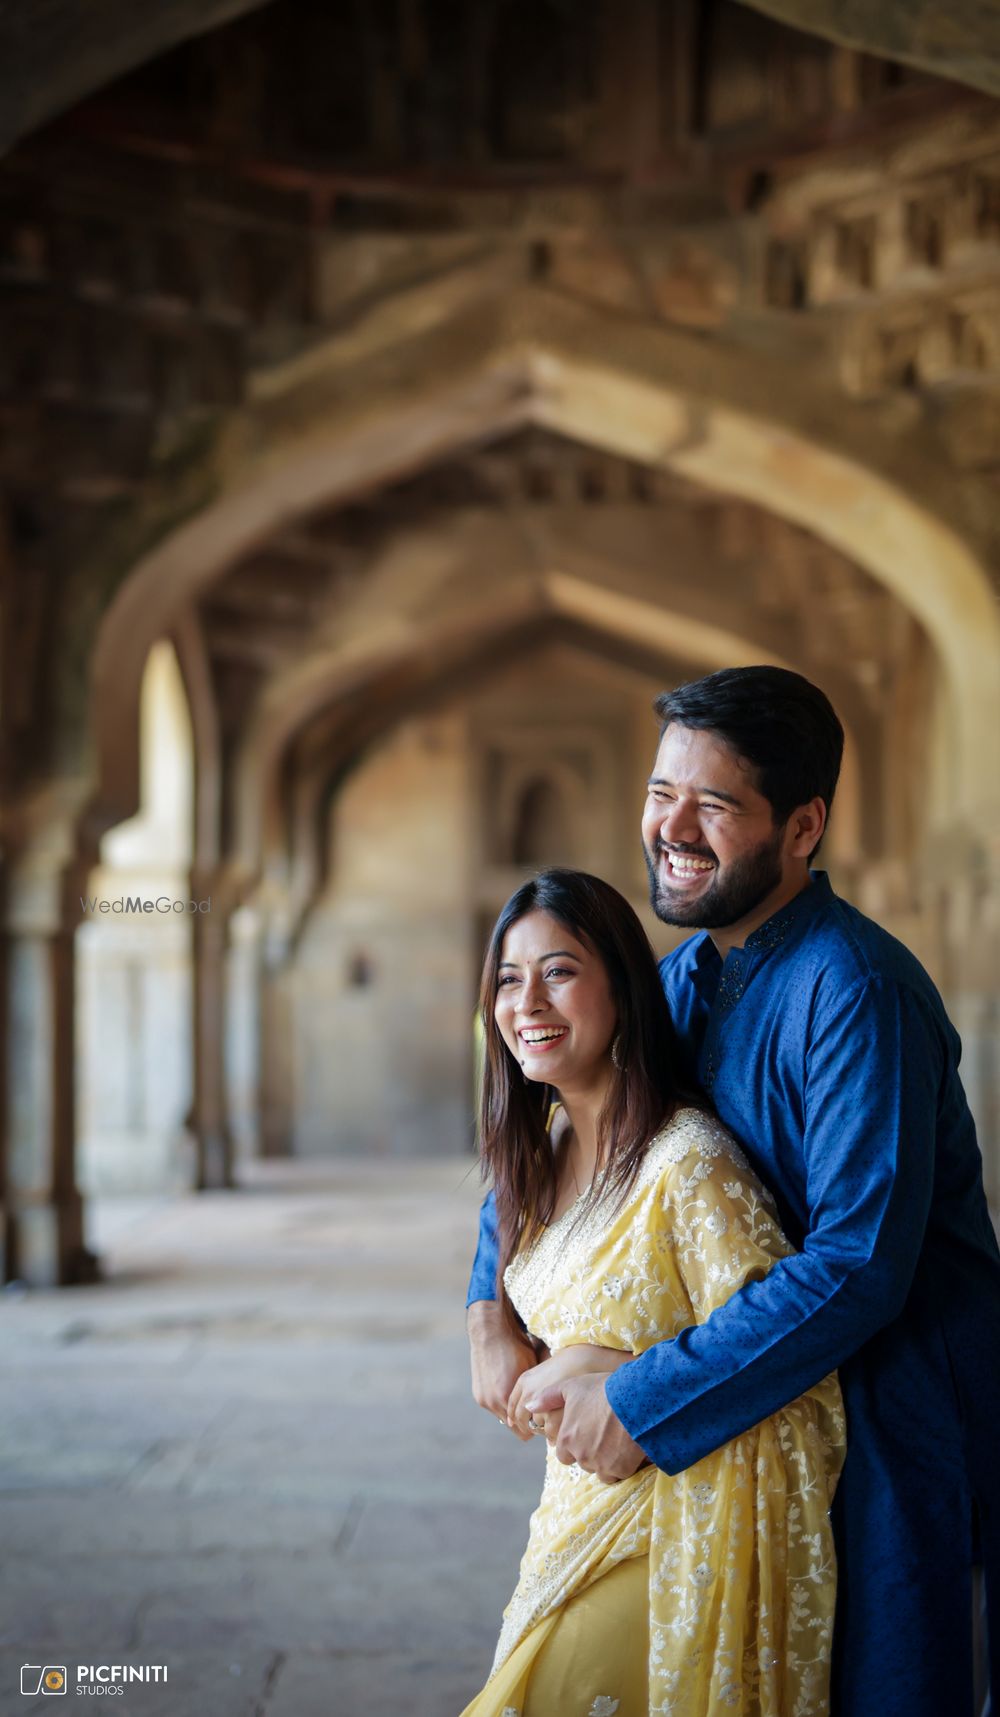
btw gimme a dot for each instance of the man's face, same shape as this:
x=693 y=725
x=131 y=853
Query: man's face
x=713 y=850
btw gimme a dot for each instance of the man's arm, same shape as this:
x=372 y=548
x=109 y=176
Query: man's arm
x=483 y=1281
x=497 y=1356
x=498 y=1359
x=870 y=1104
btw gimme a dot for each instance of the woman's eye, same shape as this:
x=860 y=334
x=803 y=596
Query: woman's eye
x=507 y=979
x=558 y=972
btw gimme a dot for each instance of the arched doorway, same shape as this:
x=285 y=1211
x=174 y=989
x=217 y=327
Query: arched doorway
x=134 y=964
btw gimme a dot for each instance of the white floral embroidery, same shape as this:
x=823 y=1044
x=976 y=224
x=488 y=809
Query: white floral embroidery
x=739 y=1550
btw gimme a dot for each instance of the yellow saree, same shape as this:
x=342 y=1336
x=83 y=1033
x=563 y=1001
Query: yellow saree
x=708 y=1591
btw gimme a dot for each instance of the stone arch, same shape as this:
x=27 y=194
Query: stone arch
x=195 y=670
x=578 y=599
x=133 y=972
x=648 y=393
x=356 y=714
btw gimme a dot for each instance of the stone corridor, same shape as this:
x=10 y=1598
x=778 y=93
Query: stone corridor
x=251 y=1454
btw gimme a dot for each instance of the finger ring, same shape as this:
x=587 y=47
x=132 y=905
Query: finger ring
x=500 y=1420
x=535 y=1424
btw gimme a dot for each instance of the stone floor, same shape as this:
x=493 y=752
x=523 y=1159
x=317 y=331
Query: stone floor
x=251 y=1455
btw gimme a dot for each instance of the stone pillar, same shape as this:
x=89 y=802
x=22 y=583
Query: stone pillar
x=208 y=1117
x=43 y=1210
x=243 y=997
x=275 y=1015
x=971 y=937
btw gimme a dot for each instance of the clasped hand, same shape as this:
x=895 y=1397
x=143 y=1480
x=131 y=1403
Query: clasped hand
x=563 y=1393
x=563 y=1399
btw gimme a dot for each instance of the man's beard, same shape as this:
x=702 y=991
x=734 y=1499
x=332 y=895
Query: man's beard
x=748 y=881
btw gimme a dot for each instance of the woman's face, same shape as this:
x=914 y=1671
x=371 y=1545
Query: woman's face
x=554 y=1007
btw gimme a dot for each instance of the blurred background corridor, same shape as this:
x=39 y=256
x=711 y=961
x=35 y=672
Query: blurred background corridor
x=393 y=399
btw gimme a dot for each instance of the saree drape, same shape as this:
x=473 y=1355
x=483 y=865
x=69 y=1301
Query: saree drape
x=710 y=1590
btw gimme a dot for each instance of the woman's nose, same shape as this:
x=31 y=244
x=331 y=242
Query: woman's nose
x=531 y=996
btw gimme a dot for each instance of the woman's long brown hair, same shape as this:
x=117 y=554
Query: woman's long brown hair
x=645 y=1087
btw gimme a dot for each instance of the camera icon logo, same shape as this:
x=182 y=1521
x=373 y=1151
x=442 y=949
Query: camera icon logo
x=43 y=1678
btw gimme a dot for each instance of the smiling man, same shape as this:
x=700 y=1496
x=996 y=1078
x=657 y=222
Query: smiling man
x=715 y=847
x=824 y=1046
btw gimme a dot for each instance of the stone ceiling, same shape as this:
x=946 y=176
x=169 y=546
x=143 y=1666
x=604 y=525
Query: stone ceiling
x=55 y=52
x=524 y=507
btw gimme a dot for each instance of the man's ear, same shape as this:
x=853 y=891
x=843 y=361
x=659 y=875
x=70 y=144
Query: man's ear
x=806 y=827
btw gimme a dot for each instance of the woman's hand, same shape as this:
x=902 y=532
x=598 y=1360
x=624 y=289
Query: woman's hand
x=577 y=1361
x=499 y=1360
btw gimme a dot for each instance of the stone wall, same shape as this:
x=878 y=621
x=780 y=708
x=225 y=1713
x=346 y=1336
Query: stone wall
x=423 y=854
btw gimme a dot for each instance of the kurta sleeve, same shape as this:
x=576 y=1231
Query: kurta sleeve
x=483 y=1281
x=873 y=1079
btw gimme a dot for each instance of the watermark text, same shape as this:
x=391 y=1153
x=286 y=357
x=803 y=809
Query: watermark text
x=128 y=904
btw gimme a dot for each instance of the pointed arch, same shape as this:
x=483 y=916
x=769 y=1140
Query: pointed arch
x=362 y=412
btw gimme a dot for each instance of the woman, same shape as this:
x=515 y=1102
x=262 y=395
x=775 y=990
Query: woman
x=711 y=1590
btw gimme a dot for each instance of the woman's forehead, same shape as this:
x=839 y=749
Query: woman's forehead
x=537 y=935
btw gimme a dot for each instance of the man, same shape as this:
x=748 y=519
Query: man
x=825 y=1048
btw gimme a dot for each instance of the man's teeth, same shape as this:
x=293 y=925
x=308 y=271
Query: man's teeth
x=542 y=1036
x=681 y=862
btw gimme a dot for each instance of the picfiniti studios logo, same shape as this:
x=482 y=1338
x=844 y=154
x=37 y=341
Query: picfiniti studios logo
x=94 y=1679
x=43 y=1678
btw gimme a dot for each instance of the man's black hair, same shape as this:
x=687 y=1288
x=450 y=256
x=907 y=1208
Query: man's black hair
x=775 y=720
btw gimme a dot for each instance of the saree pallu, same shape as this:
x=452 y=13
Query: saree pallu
x=682 y=1595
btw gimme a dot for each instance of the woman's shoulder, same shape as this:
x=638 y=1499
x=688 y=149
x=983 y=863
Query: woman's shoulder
x=694 y=1134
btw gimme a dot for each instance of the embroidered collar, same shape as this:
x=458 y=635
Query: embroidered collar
x=804 y=907
x=774 y=930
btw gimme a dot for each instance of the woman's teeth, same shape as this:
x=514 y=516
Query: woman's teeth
x=543 y=1036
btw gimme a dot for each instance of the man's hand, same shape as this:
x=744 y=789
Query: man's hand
x=498 y=1359
x=576 y=1361
x=590 y=1434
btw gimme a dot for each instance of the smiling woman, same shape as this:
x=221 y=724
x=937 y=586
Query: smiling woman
x=557 y=1016
x=713 y=1588
x=572 y=997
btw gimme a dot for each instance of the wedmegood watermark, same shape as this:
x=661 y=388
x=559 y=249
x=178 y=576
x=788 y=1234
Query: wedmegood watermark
x=133 y=903
x=93 y=1680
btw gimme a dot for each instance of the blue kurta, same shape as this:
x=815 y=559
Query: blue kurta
x=826 y=1050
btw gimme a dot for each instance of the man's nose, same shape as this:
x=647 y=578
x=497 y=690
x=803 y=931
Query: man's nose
x=680 y=823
